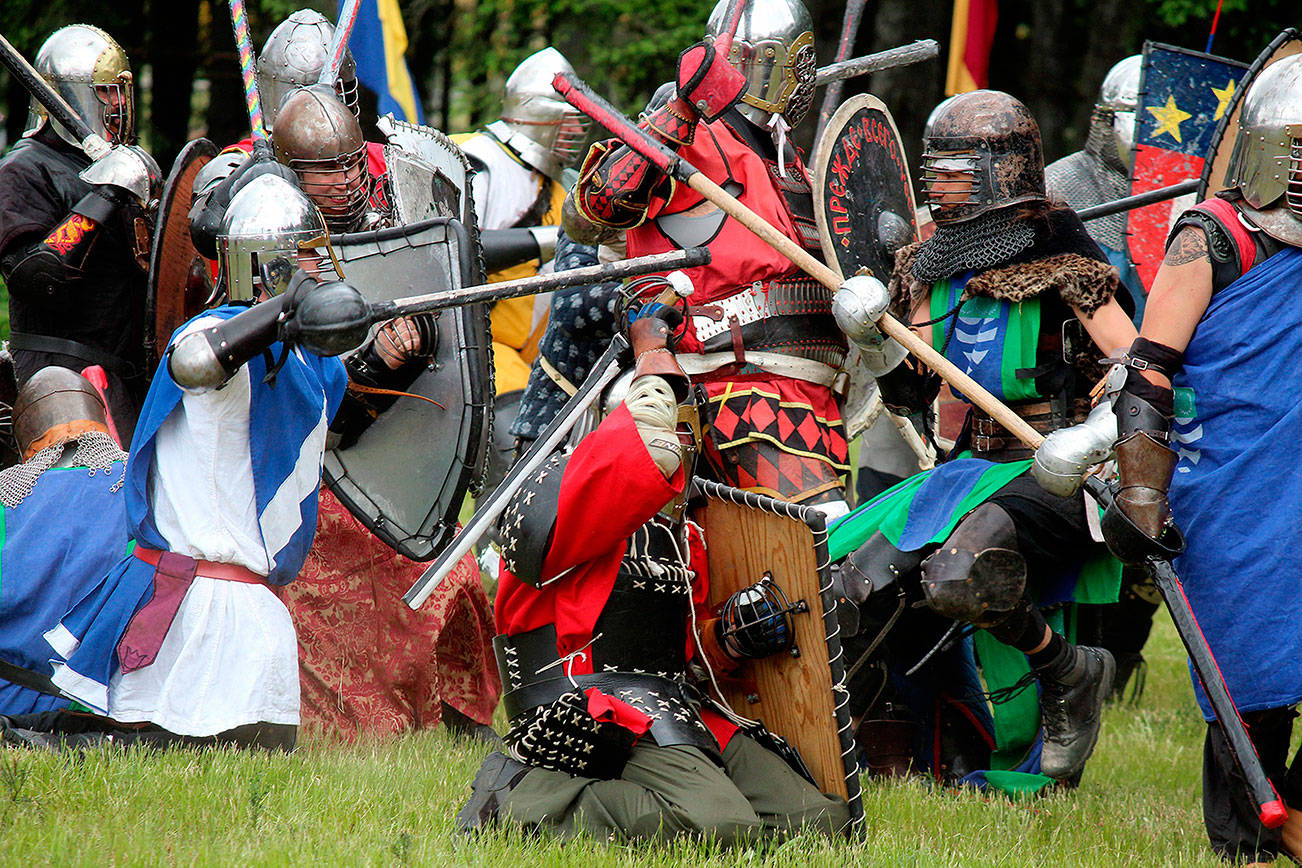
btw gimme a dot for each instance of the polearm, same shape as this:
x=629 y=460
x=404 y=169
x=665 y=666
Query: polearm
x=849 y=31
x=1270 y=808
x=339 y=44
x=248 y=75
x=489 y=292
x=581 y=97
x=1139 y=200
x=92 y=143
x=903 y=55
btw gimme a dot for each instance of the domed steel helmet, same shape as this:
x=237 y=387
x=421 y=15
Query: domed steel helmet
x=54 y=406
x=1266 y=163
x=91 y=72
x=774 y=49
x=294 y=56
x=268 y=219
x=990 y=136
x=320 y=139
x=547 y=132
x=1112 y=123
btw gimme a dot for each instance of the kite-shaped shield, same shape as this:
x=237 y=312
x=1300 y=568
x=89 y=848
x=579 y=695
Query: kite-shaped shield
x=406 y=476
x=863 y=198
x=1183 y=95
x=1213 y=178
x=801 y=695
x=179 y=283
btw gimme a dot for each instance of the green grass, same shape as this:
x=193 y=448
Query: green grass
x=392 y=803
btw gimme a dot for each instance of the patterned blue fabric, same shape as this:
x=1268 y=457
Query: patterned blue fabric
x=1237 y=492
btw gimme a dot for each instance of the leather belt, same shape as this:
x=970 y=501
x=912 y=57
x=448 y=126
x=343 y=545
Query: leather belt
x=755 y=302
x=994 y=442
x=206 y=569
x=64 y=347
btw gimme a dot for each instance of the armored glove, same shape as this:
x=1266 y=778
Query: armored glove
x=659 y=383
x=858 y=307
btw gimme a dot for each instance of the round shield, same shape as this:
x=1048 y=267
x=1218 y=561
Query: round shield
x=863 y=197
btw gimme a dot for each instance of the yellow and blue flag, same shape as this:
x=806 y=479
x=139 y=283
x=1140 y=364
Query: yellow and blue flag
x=379 y=43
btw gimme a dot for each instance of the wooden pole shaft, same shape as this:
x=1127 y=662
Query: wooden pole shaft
x=890 y=326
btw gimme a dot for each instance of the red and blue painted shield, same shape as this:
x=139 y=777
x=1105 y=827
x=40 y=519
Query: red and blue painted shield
x=1182 y=96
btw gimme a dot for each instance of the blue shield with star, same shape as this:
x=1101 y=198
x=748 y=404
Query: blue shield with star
x=1182 y=96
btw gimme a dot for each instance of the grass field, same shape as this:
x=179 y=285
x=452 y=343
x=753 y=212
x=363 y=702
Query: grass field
x=392 y=803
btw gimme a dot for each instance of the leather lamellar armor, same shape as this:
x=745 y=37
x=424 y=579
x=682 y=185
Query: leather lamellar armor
x=639 y=646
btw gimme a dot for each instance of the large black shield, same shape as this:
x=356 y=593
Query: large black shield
x=863 y=198
x=406 y=476
x=1287 y=43
x=179 y=282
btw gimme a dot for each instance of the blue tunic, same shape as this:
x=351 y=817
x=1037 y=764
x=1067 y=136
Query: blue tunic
x=1237 y=492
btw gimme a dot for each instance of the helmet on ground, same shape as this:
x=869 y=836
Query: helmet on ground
x=91 y=72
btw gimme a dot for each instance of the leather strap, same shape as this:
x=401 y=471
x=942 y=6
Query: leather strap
x=780 y=364
x=206 y=569
x=65 y=347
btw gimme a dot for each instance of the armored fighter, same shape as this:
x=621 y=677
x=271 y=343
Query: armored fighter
x=1194 y=419
x=1100 y=172
x=759 y=336
x=1015 y=292
x=74 y=236
x=600 y=608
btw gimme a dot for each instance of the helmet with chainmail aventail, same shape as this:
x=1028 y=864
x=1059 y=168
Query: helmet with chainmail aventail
x=1266 y=164
x=294 y=56
x=774 y=49
x=992 y=137
x=91 y=72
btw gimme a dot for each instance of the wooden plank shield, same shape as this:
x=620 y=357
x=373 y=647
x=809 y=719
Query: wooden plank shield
x=801 y=695
x=179 y=284
x=1286 y=44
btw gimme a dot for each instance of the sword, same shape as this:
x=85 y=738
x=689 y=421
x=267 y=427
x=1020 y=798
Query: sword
x=92 y=143
x=339 y=45
x=849 y=30
x=579 y=95
x=1270 y=808
x=903 y=55
x=605 y=370
x=244 y=45
x=1139 y=200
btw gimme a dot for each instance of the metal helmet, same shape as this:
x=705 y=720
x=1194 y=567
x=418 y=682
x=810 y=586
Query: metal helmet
x=54 y=406
x=320 y=139
x=990 y=137
x=268 y=219
x=91 y=72
x=547 y=132
x=774 y=49
x=293 y=57
x=1112 y=125
x=1266 y=163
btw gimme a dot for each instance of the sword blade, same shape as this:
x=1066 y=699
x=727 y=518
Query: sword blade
x=849 y=32
x=605 y=370
x=1139 y=200
x=93 y=145
x=903 y=55
x=339 y=44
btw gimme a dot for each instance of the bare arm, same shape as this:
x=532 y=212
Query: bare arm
x=1109 y=327
x=1180 y=295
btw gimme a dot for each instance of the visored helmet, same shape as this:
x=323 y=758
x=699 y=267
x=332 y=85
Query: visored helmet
x=91 y=72
x=774 y=49
x=990 y=138
x=1266 y=164
x=1112 y=125
x=268 y=219
x=320 y=139
x=293 y=57
x=547 y=132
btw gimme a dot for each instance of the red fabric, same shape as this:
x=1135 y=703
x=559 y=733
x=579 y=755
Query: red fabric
x=738 y=257
x=605 y=708
x=1228 y=216
x=983 y=16
x=719 y=726
x=367 y=663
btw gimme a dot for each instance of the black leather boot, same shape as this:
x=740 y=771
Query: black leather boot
x=498 y=775
x=1072 y=693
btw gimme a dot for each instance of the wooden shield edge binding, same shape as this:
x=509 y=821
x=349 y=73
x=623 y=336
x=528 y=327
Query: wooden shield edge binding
x=818 y=167
x=1286 y=44
x=847 y=785
x=171 y=250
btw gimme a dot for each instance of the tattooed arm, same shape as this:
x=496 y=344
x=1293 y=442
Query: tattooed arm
x=1180 y=294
